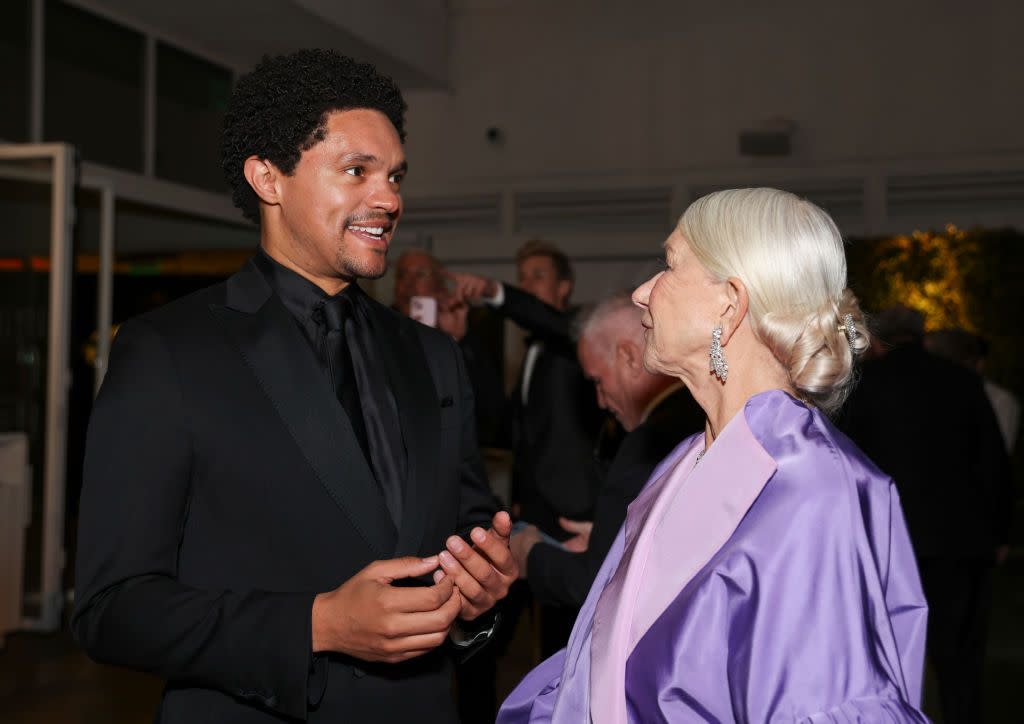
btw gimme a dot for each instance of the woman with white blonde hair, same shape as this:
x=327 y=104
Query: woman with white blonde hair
x=765 y=572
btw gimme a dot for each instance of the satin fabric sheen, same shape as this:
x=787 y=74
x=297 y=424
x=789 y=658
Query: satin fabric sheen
x=774 y=581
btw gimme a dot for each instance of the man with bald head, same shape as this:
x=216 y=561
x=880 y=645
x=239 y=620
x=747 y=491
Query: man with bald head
x=656 y=411
x=417 y=274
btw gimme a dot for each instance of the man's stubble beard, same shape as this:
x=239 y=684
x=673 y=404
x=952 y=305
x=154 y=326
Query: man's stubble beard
x=358 y=268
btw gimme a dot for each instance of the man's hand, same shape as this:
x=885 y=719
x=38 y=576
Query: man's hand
x=470 y=287
x=368 y=618
x=521 y=544
x=580 y=529
x=452 y=315
x=482 y=573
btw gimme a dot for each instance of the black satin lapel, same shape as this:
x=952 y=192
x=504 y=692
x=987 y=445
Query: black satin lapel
x=420 y=415
x=277 y=353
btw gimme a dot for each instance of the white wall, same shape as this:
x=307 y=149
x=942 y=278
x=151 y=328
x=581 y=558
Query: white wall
x=908 y=114
x=628 y=88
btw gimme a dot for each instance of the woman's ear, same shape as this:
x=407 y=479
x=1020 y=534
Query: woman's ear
x=262 y=176
x=738 y=302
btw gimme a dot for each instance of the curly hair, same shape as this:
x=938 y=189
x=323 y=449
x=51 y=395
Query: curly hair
x=280 y=109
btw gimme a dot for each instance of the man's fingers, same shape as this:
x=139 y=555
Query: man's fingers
x=502 y=524
x=428 y=622
x=416 y=599
x=468 y=584
x=407 y=567
x=477 y=559
x=409 y=646
x=575 y=526
x=578 y=544
x=494 y=547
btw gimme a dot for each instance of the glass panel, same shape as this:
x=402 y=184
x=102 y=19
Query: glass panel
x=94 y=86
x=25 y=206
x=192 y=96
x=14 y=59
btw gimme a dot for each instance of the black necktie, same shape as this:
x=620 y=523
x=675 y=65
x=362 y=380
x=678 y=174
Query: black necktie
x=338 y=312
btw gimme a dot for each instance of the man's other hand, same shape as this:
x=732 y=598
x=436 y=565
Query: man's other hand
x=521 y=544
x=470 y=287
x=368 y=618
x=452 y=316
x=483 y=572
x=580 y=529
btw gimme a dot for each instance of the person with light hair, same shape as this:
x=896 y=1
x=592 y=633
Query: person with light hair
x=765 y=572
x=655 y=410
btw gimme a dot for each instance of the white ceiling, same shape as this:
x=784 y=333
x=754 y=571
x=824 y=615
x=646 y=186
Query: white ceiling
x=406 y=39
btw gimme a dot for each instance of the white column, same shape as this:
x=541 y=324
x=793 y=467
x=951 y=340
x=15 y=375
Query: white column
x=58 y=381
x=105 y=284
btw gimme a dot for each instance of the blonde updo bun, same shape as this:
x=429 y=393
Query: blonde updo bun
x=789 y=254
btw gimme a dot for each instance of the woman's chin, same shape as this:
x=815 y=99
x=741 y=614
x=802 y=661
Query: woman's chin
x=652 y=364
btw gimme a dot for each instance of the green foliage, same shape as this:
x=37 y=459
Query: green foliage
x=972 y=280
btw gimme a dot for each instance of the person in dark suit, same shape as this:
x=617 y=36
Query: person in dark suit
x=418 y=273
x=927 y=422
x=554 y=418
x=656 y=411
x=274 y=462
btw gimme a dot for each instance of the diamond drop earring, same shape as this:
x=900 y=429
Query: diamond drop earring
x=717 y=359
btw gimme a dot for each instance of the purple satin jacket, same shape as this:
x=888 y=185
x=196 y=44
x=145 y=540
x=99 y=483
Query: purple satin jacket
x=772 y=581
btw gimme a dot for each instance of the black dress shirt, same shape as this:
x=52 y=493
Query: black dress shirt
x=304 y=301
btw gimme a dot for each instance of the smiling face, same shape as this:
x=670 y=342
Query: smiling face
x=333 y=218
x=681 y=304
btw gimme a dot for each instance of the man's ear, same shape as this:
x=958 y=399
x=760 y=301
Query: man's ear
x=564 y=289
x=737 y=305
x=630 y=356
x=263 y=176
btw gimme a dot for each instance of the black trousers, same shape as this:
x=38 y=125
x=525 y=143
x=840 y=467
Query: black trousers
x=959 y=593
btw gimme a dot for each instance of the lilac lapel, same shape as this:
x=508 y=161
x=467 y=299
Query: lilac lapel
x=672 y=530
x=574 y=688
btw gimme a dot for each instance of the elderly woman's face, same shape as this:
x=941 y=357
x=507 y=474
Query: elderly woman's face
x=680 y=309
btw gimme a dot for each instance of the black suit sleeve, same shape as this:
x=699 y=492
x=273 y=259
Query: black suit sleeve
x=535 y=316
x=131 y=609
x=489 y=404
x=565 y=469
x=559 y=577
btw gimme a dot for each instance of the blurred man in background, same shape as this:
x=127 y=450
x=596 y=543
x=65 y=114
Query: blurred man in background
x=418 y=274
x=552 y=412
x=928 y=423
x=657 y=413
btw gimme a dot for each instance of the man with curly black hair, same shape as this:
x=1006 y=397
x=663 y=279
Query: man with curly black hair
x=275 y=462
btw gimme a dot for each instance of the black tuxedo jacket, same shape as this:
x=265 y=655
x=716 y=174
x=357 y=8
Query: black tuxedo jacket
x=560 y=578
x=554 y=434
x=224 y=488
x=928 y=423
